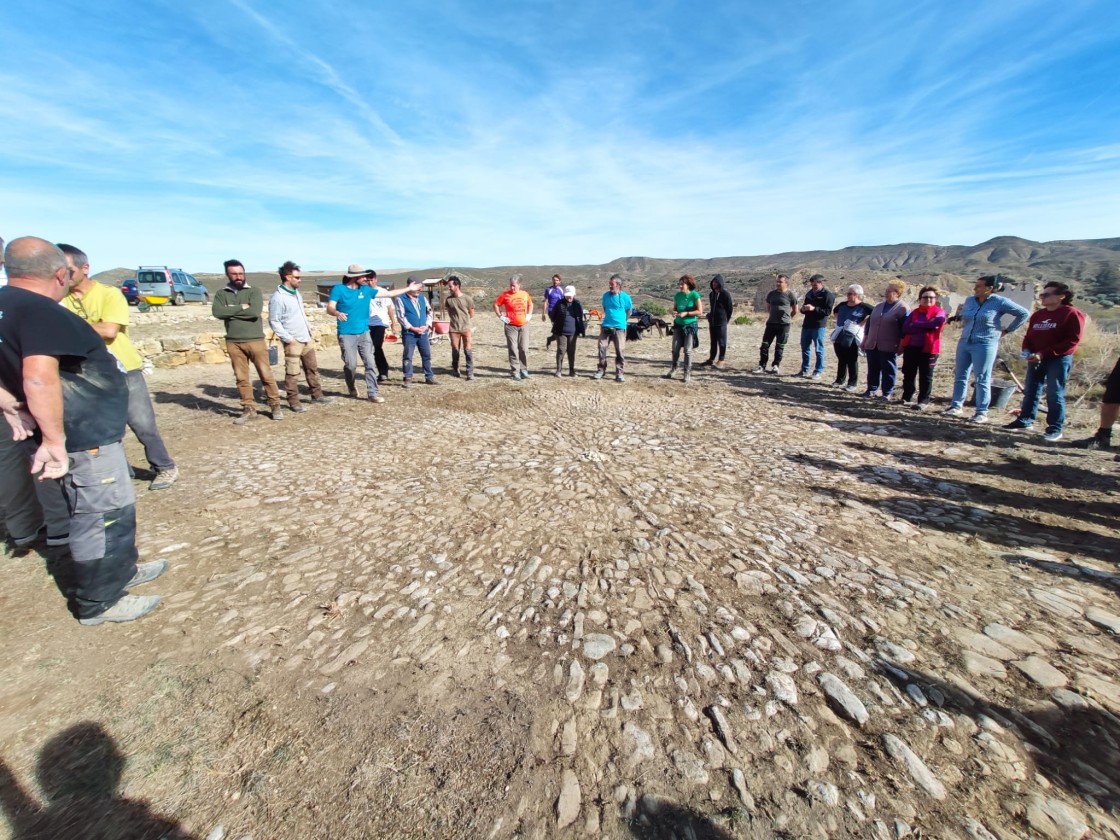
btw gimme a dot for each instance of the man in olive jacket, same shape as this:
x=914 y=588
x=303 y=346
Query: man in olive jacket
x=239 y=306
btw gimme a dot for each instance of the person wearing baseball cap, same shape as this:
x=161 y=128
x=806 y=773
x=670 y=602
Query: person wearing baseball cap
x=349 y=305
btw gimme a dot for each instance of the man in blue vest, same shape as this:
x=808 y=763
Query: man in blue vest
x=415 y=317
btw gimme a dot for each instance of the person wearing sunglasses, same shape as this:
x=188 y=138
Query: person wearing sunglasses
x=982 y=316
x=1053 y=333
x=921 y=345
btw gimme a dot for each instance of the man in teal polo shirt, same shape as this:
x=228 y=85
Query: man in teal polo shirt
x=349 y=304
x=617 y=307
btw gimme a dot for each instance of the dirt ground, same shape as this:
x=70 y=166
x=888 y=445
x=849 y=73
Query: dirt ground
x=753 y=606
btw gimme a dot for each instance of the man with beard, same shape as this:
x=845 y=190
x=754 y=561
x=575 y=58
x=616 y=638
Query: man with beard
x=289 y=322
x=240 y=306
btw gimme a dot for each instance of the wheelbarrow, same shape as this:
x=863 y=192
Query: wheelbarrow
x=147 y=302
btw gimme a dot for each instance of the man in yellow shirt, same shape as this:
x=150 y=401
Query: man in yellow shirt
x=106 y=310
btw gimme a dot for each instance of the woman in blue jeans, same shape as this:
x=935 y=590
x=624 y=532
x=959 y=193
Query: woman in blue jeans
x=978 y=347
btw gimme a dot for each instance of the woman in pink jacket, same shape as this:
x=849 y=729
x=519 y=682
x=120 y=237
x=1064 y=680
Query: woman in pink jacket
x=921 y=344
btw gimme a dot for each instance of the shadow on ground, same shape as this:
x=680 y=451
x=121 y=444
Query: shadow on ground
x=79 y=773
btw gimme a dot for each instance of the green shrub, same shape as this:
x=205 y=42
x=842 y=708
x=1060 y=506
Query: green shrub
x=655 y=309
x=743 y=320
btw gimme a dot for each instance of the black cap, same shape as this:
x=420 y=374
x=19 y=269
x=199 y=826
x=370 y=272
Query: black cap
x=816 y=277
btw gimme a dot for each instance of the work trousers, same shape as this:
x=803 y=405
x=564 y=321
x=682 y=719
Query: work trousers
x=617 y=337
x=241 y=354
x=353 y=346
x=102 y=558
x=26 y=502
x=778 y=333
x=299 y=356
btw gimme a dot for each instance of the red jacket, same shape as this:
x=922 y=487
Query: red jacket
x=922 y=329
x=1054 y=333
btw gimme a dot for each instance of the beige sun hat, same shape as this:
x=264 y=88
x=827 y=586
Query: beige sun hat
x=355 y=270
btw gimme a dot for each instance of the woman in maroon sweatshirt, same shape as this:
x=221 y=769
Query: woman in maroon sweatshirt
x=921 y=345
x=1053 y=333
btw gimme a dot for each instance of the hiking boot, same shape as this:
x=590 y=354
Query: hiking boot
x=430 y=381
x=353 y=394
x=687 y=377
x=524 y=374
x=618 y=377
x=1101 y=440
x=276 y=415
x=324 y=400
x=246 y=415
x=128 y=608
x=669 y=375
x=296 y=408
x=598 y=375
x=516 y=377
x=376 y=398
x=164 y=479
x=406 y=383
x=1052 y=437
x=470 y=376
x=455 y=373
x=1015 y=425
x=147 y=572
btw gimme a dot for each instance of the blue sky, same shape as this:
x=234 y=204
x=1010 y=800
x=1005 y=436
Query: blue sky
x=478 y=134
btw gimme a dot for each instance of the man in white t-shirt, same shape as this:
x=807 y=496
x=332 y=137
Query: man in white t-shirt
x=381 y=318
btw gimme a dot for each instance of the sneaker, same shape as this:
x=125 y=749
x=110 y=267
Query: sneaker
x=429 y=382
x=455 y=373
x=516 y=377
x=246 y=415
x=128 y=608
x=816 y=377
x=598 y=375
x=382 y=378
x=774 y=369
x=721 y=364
x=1097 y=441
x=669 y=375
x=851 y=389
x=759 y=369
x=275 y=414
x=571 y=373
x=687 y=377
x=524 y=374
x=353 y=395
x=470 y=376
x=296 y=408
x=164 y=479
x=921 y=406
x=1015 y=425
x=324 y=400
x=147 y=572
x=618 y=377
x=1052 y=437
x=869 y=393
x=377 y=398
x=558 y=374
x=953 y=411
x=978 y=418
x=406 y=383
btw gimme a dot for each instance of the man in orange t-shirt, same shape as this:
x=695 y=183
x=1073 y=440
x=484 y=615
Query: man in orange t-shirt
x=515 y=308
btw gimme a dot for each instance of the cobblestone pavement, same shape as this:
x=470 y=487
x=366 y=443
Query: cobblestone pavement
x=751 y=606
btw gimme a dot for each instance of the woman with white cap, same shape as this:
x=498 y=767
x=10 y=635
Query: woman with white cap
x=568 y=324
x=846 y=338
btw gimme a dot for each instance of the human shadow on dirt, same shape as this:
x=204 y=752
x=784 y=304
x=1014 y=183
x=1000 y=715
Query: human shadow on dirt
x=1107 y=580
x=195 y=402
x=1076 y=745
x=656 y=819
x=1102 y=513
x=972 y=493
x=79 y=772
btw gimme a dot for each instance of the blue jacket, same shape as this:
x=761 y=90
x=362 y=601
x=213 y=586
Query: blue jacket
x=983 y=321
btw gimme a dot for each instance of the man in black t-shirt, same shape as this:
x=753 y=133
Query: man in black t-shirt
x=782 y=304
x=816 y=308
x=59 y=384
